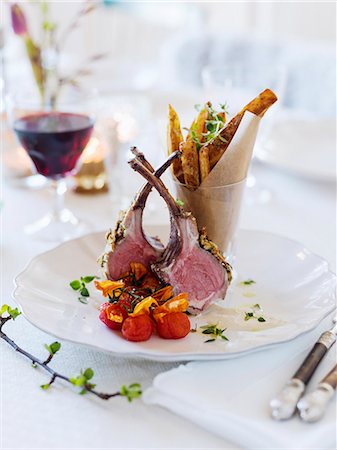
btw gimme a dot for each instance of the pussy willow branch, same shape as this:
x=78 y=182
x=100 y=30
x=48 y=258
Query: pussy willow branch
x=44 y=364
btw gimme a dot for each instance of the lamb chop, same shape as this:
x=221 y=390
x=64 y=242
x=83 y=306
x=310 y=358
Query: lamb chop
x=191 y=262
x=127 y=242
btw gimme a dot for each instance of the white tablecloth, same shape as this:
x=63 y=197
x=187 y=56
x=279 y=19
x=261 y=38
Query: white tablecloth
x=59 y=418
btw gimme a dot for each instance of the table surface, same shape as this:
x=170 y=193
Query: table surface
x=59 y=418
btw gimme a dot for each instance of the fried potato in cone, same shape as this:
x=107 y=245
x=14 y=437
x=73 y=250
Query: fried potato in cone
x=257 y=106
x=174 y=138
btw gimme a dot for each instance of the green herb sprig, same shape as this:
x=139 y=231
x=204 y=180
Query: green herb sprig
x=83 y=380
x=214 y=331
x=254 y=314
x=81 y=286
x=247 y=282
x=214 y=125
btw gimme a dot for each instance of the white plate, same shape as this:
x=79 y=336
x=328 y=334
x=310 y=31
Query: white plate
x=293 y=286
x=304 y=147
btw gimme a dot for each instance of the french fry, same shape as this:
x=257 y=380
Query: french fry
x=174 y=138
x=261 y=103
x=190 y=163
x=204 y=164
x=257 y=106
x=198 y=126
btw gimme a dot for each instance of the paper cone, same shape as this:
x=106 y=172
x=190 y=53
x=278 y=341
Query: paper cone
x=216 y=203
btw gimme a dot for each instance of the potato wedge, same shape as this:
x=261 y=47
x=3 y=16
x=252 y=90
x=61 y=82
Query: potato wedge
x=174 y=138
x=198 y=126
x=261 y=103
x=190 y=163
x=257 y=106
x=204 y=165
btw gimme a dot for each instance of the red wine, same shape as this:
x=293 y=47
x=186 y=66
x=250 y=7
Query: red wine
x=54 y=140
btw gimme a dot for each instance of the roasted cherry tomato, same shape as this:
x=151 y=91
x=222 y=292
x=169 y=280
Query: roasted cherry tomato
x=113 y=315
x=173 y=325
x=138 y=328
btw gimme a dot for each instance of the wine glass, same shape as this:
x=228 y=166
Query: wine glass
x=54 y=139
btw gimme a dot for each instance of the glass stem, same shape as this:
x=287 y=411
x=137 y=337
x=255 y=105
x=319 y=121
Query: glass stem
x=60 y=188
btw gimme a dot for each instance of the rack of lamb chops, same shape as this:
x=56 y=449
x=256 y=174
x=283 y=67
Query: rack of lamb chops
x=190 y=262
x=127 y=242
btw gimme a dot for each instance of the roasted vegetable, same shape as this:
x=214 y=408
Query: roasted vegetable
x=174 y=137
x=190 y=163
x=257 y=106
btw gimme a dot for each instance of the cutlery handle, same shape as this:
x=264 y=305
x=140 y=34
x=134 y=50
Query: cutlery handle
x=284 y=405
x=309 y=365
x=313 y=405
x=331 y=378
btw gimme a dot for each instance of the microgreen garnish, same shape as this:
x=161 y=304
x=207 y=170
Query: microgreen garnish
x=214 y=331
x=179 y=202
x=80 y=285
x=82 y=380
x=254 y=314
x=224 y=107
x=249 y=315
x=214 y=125
x=247 y=282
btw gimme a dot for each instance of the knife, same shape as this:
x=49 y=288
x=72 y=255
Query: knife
x=284 y=405
x=313 y=405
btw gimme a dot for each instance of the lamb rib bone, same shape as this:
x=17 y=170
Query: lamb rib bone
x=127 y=242
x=191 y=262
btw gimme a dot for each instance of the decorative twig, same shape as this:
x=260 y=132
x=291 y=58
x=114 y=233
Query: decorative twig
x=82 y=380
x=84 y=11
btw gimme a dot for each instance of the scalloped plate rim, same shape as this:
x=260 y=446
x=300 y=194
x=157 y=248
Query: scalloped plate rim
x=166 y=357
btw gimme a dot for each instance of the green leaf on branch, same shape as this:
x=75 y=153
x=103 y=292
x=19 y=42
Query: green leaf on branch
x=12 y=312
x=45 y=386
x=131 y=392
x=3 y=309
x=88 y=373
x=82 y=380
x=53 y=348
